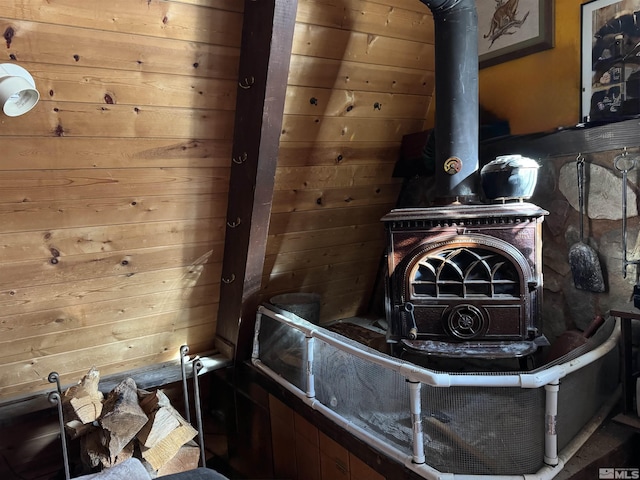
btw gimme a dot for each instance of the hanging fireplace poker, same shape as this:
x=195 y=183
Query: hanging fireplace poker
x=624 y=164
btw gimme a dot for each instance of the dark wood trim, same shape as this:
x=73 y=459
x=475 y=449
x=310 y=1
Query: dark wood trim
x=267 y=38
x=583 y=138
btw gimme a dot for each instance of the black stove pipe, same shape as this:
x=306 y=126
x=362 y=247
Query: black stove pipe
x=456 y=120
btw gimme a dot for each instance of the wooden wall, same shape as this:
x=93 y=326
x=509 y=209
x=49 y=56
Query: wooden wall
x=361 y=77
x=113 y=189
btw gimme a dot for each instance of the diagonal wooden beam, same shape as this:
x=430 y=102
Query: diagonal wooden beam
x=267 y=36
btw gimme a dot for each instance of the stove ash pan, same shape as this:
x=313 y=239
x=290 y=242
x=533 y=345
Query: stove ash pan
x=465 y=280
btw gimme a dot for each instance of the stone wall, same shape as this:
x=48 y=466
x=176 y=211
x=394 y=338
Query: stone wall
x=564 y=305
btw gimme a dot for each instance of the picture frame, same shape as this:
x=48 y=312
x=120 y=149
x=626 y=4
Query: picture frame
x=610 y=60
x=510 y=29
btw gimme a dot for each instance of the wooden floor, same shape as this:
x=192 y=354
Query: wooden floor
x=613 y=445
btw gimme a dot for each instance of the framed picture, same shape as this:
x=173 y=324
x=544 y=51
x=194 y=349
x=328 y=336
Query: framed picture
x=509 y=29
x=610 y=60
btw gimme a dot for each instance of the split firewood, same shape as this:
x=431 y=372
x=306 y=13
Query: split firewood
x=122 y=418
x=83 y=402
x=137 y=420
x=163 y=418
x=168 y=447
x=165 y=433
x=161 y=423
x=186 y=459
x=152 y=401
x=94 y=452
x=125 y=454
x=76 y=429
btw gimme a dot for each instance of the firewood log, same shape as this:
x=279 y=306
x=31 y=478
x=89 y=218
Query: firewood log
x=122 y=418
x=94 y=453
x=76 y=429
x=186 y=459
x=165 y=433
x=152 y=401
x=83 y=402
x=163 y=451
x=161 y=423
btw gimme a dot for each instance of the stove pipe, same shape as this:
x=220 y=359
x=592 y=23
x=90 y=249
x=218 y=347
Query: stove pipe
x=456 y=120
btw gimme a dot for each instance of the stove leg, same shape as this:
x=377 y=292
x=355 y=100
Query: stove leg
x=396 y=350
x=524 y=363
x=530 y=362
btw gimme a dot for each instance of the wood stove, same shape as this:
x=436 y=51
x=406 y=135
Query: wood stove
x=465 y=280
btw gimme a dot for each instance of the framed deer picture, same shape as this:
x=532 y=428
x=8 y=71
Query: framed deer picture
x=610 y=60
x=509 y=29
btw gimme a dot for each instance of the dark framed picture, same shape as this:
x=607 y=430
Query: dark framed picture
x=610 y=60
x=509 y=29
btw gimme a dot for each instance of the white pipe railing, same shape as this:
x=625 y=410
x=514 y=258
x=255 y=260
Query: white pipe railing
x=416 y=422
x=311 y=386
x=415 y=376
x=414 y=372
x=551 y=419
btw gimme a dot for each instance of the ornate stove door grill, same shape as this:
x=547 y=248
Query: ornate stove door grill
x=466 y=280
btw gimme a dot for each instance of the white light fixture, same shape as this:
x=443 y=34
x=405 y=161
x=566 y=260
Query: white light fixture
x=18 y=92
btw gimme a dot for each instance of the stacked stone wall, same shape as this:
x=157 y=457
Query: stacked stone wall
x=564 y=306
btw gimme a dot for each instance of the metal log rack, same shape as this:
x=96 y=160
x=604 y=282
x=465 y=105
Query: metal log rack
x=55 y=397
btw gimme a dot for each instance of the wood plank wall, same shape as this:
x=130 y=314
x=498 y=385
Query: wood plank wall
x=362 y=76
x=113 y=189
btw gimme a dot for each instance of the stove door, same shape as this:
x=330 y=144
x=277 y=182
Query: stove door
x=463 y=288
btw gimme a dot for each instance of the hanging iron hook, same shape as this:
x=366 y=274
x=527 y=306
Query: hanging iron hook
x=241 y=159
x=234 y=224
x=624 y=163
x=247 y=83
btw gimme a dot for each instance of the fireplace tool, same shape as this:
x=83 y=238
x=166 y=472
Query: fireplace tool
x=584 y=261
x=624 y=164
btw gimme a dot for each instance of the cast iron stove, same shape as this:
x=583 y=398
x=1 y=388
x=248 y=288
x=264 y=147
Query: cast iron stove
x=465 y=280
